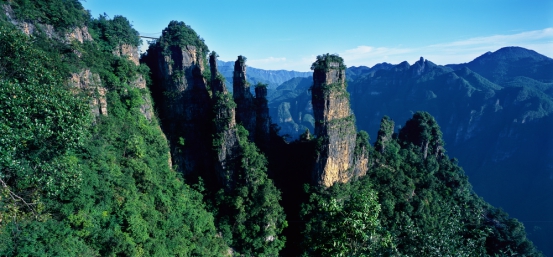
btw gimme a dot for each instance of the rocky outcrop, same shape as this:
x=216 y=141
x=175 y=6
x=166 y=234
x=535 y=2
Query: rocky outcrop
x=385 y=134
x=81 y=35
x=90 y=84
x=225 y=139
x=146 y=108
x=245 y=106
x=184 y=105
x=334 y=124
x=263 y=120
x=130 y=51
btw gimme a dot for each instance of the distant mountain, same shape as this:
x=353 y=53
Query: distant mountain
x=290 y=107
x=273 y=78
x=496 y=113
x=353 y=73
x=507 y=63
x=496 y=116
x=290 y=103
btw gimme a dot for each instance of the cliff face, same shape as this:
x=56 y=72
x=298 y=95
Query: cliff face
x=263 y=120
x=127 y=50
x=79 y=34
x=225 y=142
x=183 y=103
x=90 y=83
x=245 y=106
x=334 y=124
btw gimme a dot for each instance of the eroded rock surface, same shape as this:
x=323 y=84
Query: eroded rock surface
x=334 y=125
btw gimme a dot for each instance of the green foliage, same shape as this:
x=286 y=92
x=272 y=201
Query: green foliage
x=336 y=89
x=42 y=124
x=362 y=145
x=131 y=197
x=42 y=238
x=179 y=34
x=343 y=220
x=327 y=62
x=422 y=131
x=384 y=134
x=114 y=32
x=71 y=189
x=249 y=215
x=62 y=14
x=259 y=84
x=427 y=203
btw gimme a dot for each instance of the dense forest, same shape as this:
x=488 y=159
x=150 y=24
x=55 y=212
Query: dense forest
x=106 y=154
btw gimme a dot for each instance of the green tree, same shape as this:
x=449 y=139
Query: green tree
x=42 y=125
x=343 y=220
x=69 y=188
x=250 y=215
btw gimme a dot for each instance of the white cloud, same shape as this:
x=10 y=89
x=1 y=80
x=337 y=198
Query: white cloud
x=267 y=60
x=460 y=51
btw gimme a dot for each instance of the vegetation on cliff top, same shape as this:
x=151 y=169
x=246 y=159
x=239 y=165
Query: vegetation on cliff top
x=178 y=33
x=326 y=62
x=62 y=15
x=73 y=184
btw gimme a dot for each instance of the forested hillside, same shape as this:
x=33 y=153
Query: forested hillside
x=76 y=182
x=103 y=153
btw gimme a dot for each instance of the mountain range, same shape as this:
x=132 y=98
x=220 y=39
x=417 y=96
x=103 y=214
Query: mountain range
x=273 y=78
x=107 y=153
x=495 y=113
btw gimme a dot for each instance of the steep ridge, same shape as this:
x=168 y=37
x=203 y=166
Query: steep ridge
x=216 y=138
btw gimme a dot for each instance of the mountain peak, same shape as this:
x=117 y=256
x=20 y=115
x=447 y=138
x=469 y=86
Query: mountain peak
x=509 y=62
x=511 y=53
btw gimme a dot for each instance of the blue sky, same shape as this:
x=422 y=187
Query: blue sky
x=290 y=34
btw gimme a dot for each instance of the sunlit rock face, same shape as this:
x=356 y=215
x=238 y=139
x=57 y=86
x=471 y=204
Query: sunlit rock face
x=334 y=125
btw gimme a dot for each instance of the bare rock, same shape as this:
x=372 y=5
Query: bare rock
x=90 y=83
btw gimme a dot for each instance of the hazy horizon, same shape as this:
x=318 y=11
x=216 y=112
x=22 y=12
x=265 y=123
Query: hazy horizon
x=288 y=35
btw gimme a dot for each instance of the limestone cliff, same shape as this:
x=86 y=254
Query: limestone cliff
x=225 y=139
x=245 y=106
x=130 y=51
x=182 y=100
x=77 y=33
x=263 y=120
x=90 y=84
x=334 y=124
